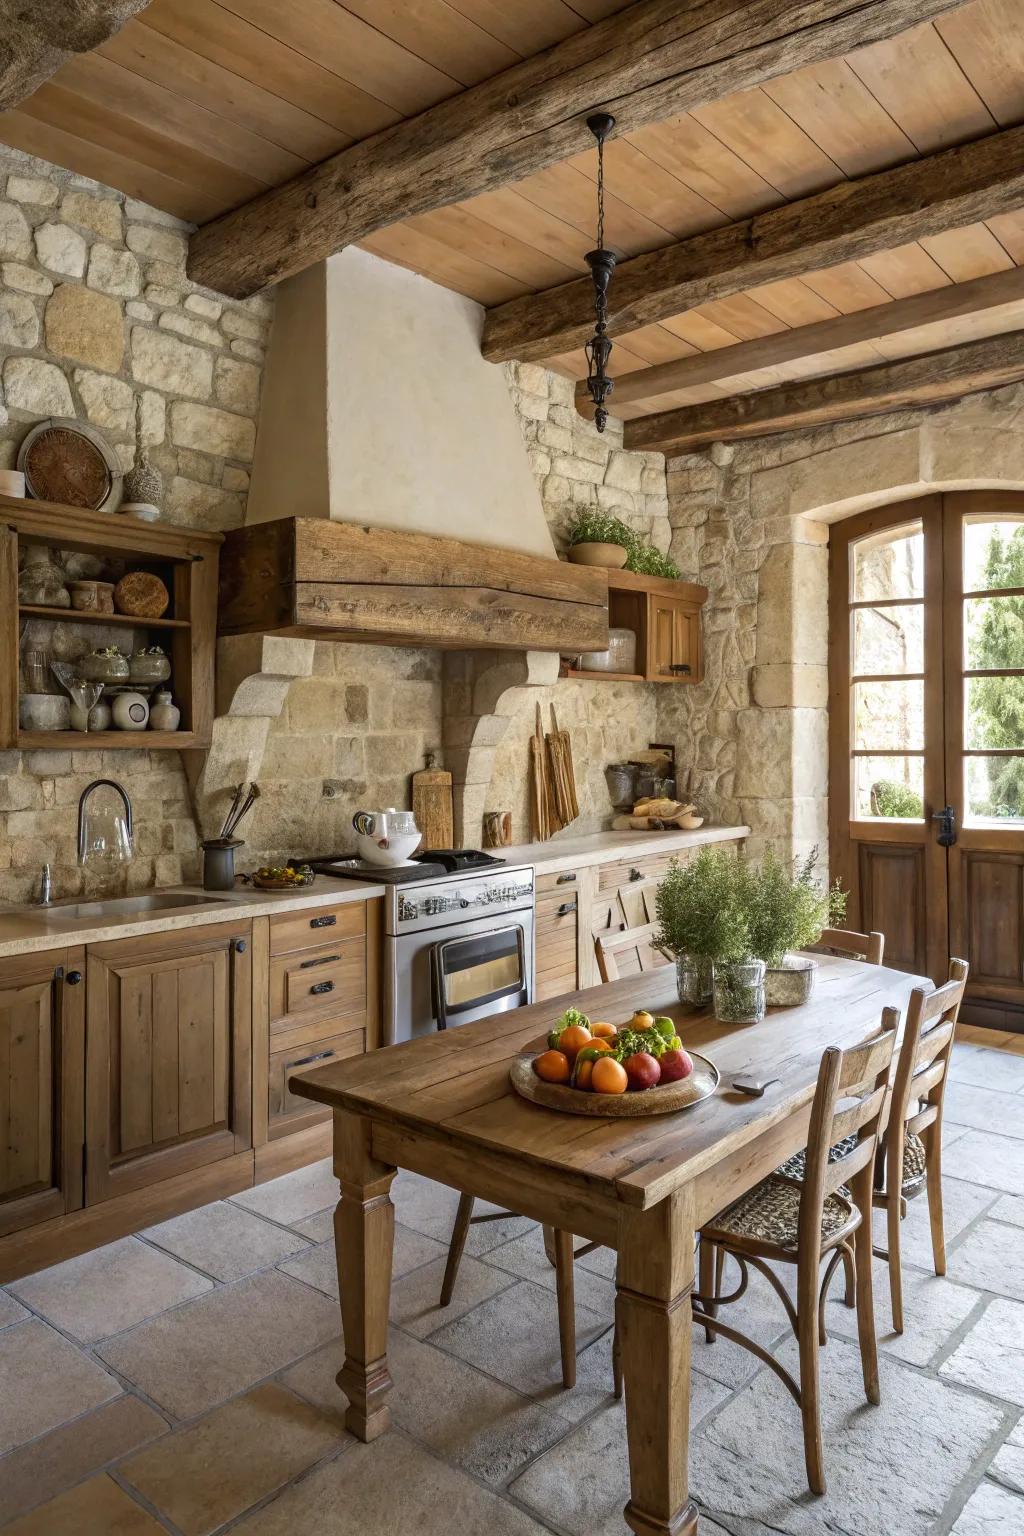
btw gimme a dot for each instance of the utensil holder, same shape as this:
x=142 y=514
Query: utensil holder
x=219 y=863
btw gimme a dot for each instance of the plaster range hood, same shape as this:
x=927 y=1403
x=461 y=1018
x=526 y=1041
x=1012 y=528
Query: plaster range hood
x=413 y=516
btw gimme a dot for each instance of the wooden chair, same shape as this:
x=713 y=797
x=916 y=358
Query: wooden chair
x=910 y=1159
x=852 y=946
x=634 y=947
x=825 y=1217
x=559 y=1248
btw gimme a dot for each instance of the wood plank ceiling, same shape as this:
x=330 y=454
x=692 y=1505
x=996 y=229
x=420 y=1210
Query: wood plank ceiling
x=199 y=105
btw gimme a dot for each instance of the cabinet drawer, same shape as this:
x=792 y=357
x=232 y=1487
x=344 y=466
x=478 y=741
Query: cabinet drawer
x=316 y=926
x=566 y=881
x=650 y=866
x=558 y=907
x=282 y=1103
x=317 y=983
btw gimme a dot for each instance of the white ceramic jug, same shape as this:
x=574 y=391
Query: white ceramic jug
x=386 y=837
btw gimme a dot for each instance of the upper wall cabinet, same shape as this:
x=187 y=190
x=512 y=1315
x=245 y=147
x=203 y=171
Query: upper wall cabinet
x=38 y=627
x=665 y=616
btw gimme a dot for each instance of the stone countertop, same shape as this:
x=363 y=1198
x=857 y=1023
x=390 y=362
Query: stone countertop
x=606 y=847
x=26 y=930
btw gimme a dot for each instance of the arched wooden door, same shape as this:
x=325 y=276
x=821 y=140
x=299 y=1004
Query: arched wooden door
x=927 y=736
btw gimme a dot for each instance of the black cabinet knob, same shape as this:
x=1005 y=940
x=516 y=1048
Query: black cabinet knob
x=73 y=978
x=239 y=946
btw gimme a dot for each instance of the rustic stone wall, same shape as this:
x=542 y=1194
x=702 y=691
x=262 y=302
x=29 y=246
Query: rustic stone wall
x=751 y=522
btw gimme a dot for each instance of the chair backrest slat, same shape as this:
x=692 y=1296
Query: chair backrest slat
x=923 y=1066
x=858 y=946
x=627 y=953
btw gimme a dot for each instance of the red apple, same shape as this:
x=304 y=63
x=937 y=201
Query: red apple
x=675 y=1065
x=643 y=1070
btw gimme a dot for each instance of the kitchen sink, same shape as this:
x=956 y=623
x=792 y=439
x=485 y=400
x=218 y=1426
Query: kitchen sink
x=129 y=906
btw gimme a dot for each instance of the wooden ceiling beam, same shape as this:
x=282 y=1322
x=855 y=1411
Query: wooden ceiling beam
x=645 y=64
x=41 y=35
x=931 y=379
x=964 y=185
x=929 y=308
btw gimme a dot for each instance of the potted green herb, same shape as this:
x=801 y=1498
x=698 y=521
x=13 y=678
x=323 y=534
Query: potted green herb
x=702 y=911
x=597 y=538
x=786 y=908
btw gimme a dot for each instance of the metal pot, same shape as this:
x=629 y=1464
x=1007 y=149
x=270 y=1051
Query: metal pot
x=791 y=983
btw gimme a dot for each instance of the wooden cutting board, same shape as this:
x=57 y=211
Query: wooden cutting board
x=432 y=805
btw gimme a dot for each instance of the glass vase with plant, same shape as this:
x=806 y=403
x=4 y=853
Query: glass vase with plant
x=700 y=920
x=788 y=906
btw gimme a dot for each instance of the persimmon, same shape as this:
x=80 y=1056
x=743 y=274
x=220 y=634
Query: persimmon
x=574 y=1039
x=602 y=1031
x=608 y=1076
x=553 y=1067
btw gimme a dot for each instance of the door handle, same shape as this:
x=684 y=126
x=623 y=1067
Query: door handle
x=680 y=668
x=323 y=922
x=321 y=987
x=946 y=819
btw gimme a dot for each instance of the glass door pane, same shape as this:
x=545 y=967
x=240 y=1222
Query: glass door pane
x=993 y=664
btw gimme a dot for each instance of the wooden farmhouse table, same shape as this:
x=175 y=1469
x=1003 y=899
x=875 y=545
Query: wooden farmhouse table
x=443 y=1106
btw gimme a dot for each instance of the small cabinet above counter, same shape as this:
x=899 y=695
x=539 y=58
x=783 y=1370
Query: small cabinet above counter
x=665 y=616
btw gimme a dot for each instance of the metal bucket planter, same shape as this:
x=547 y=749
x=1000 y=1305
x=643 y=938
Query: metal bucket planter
x=791 y=983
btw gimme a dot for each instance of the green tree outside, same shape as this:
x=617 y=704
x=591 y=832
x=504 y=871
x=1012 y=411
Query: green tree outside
x=997 y=703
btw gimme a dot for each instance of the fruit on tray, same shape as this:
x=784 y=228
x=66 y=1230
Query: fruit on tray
x=675 y=1065
x=600 y=1058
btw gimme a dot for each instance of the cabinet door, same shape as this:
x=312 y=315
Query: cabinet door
x=41 y=1087
x=169 y=1056
x=673 y=640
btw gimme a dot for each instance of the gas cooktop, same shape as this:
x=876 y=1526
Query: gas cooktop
x=430 y=865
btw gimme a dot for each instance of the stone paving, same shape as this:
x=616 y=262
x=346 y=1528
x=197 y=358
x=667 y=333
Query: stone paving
x=182 y=1380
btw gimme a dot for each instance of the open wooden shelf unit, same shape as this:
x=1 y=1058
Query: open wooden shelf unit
x=665 y=617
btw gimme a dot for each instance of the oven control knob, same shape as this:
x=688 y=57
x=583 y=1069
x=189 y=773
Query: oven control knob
x=463 y=902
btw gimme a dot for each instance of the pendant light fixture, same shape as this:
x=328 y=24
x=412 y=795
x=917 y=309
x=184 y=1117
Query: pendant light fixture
x=601 y=263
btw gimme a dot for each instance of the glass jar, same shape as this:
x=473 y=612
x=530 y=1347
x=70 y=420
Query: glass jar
x=694 y=979
x=739 y=991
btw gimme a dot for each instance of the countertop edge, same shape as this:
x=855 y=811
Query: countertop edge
x=607 y=847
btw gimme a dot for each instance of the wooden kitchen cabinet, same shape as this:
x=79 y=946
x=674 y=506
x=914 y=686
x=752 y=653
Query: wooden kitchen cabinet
x=665 y=616
x=168 y=1069
x=556 y=934
x=42 y=1036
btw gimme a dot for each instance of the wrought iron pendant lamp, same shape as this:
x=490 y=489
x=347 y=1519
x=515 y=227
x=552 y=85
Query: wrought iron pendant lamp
x=601 y=263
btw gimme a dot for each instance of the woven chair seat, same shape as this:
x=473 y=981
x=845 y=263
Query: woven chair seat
x=795 y=1167
x=770 y=1213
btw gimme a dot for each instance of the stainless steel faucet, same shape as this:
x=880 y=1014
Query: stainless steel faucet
x=45 y=887
x=86 y=792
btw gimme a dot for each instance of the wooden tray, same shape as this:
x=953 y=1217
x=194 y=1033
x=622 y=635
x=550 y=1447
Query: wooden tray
x=663 y=1100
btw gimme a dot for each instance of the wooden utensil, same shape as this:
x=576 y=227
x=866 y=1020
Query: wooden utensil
x=562 y=775
x=540 y=824
x=433 y=805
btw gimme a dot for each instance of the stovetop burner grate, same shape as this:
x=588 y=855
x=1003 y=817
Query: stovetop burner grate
x=432 y=864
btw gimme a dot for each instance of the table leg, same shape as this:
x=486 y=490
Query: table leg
x=653 y=1316
x=364 y=1231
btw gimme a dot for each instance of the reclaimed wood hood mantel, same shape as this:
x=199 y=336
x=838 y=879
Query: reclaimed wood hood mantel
x=324 y=580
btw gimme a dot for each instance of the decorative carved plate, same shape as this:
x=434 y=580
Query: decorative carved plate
x=66 y=461
x=663 y=1100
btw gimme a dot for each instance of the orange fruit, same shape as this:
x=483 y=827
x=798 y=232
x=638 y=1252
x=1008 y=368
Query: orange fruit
x=583 y=1075
x=574 y=1039
x=608 y=1077
x=600 y=1045
x=552 y=1067
x=603 y=1031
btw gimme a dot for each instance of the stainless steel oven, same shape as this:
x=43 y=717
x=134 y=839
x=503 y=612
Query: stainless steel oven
x=457 y=948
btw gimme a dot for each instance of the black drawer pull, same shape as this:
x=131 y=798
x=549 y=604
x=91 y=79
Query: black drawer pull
x=566 y=880
x=680 y=668
x=304 y=965
x=566 y=908
x=321 y=986
x=305 y=1061
x=635 y=874
x=324 y=922
x=73 y=978
x=239 y=946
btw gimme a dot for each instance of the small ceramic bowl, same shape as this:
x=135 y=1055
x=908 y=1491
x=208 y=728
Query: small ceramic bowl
x=92 y=596
x=44 y=712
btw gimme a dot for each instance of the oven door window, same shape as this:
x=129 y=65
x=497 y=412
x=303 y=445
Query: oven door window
x=472 y=972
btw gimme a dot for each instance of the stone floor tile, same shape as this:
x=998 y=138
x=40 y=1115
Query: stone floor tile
x=991 y=1357
x=985 y=1109
x=484 y=1236
x=319 y=1227
x=318 y=1267
x=45 y=1381
x=11 y=1311
x=514 y=1337
x=991 y=1257
x=602 y=1261
x=96 y=1508
x=583 y=1482
x=933 y=1310
x=748 y=1462
x=987 y=1069
x=961 y=1204
x=198 y=1355
x=315 y=1379
x=389 y=1486
x=1008 y=1467
x=294 y=1196
x=759 y=1314
x=1009 y=1208
x=415 y=1298
x=424 y=1205
x=466 y=1418
x=525 y=1257
x=995 y=1161
x=212 y=1472
x=224 y=1241
x=109 y=1289
x=991 y=1511
x=49 y=1466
